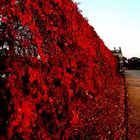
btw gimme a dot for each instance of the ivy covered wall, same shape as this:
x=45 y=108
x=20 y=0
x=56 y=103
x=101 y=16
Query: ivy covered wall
x=57 y=78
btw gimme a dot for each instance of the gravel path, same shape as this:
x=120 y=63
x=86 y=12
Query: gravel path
x=133 y=90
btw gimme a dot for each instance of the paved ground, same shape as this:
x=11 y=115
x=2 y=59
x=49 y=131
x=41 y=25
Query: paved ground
x=133 y=90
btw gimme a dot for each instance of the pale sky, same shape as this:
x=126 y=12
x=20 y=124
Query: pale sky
x=117 y=22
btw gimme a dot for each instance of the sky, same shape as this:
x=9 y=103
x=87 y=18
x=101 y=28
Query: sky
x=117 y=22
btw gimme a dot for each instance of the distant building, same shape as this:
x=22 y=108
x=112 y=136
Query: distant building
x=119 y=56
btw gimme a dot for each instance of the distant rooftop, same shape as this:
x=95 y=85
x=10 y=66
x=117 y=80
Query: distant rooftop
x=117 y=50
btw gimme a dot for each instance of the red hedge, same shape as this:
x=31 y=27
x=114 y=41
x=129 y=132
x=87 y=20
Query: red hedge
x=57 y=78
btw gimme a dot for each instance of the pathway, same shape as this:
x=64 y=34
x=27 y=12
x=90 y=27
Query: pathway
x=133 y=91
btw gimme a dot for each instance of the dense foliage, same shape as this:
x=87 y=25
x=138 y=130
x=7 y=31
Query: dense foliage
x=133 y=63
x=57 y=78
